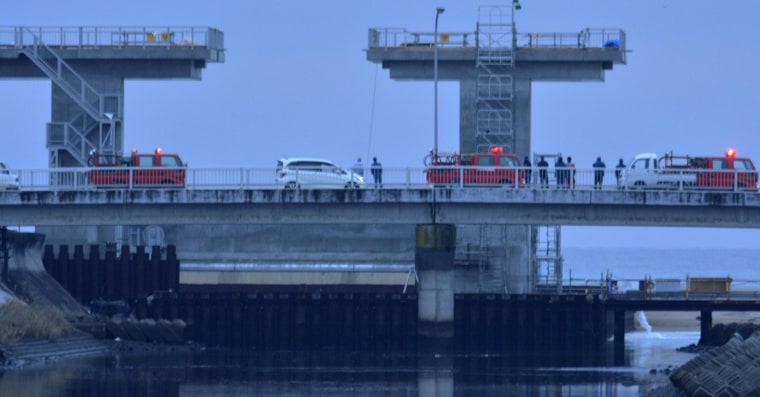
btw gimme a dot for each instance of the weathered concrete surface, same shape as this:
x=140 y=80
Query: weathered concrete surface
x=28 y=276
x=732 y=369
x=29 y=279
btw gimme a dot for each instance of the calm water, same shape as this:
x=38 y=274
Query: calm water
x=250 y=373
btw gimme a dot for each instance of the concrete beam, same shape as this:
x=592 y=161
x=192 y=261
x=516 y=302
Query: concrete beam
x=388 y=206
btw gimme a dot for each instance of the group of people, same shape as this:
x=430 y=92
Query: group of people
x=564 y=172
x=376 y=169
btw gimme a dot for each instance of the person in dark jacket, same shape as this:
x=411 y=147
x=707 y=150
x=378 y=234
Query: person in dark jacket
x=559 y=172
x=599 y=167
x=619 y=172
x=528 y=171
x=570 y=173
x=377 y=172
x=543 y=174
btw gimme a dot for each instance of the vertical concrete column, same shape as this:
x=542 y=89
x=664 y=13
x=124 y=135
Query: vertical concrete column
x=521 y=111
x=705 y=323
x=517 y=246
x=434 y=262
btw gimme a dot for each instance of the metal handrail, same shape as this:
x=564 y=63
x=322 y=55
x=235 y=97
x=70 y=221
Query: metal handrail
x=589 y=38
x=86 y=37
x=580 y=179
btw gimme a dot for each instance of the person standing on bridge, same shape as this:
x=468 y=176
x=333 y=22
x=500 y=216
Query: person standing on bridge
x=359 y=167
x=559 y=172
x=570 y=173
x=599 y=167
x=619 y=172
x=528 y=170
x=543 y=173
x=377 y=173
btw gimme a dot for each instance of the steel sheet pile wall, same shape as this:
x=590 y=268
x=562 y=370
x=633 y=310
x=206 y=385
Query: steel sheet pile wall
x=301 y=321
x=567 y=329
x=127 y=276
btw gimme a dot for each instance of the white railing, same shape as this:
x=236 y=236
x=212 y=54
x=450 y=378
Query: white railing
x=392 y=178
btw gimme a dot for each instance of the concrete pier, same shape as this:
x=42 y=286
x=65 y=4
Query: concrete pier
x=434 y=262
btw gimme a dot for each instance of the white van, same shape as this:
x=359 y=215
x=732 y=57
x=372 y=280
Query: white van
x=294 y=173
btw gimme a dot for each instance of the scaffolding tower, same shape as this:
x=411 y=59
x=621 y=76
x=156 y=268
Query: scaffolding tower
x=495 y=62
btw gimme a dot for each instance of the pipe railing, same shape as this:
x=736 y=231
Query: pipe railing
x=451 y=177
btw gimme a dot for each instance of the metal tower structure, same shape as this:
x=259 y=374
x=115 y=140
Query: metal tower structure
x=88 y=66
x=495 y=65
x=95 y=125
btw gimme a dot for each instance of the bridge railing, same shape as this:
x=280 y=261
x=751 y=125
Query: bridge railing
x=392 y=178
x=589 y=38
x=689 y=287
x=113 y=36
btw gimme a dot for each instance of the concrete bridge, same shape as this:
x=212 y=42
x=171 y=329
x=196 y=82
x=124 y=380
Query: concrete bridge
x=414 y=205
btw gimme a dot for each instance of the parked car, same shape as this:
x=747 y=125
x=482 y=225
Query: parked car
x=8 y=180
x=294 y=173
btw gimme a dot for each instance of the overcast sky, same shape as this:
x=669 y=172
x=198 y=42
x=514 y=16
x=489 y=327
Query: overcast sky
x=296 y=82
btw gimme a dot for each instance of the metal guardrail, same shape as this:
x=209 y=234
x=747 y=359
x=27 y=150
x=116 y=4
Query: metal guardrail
x=84 y=37
x=602 y=38
x=688 y=288
x=51 y=179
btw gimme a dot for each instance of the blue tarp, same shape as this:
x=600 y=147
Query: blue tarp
x=612 y=43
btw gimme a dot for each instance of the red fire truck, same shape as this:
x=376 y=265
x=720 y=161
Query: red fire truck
x=155 y=169
x=492 y=168
x=726 y=172
x=694 y=172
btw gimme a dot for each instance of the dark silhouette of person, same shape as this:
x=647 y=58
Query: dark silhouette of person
x=619 y=172
x=559 y=172
x=528 y=171
x=543 y=174
x=570 y=173
x=599 y=167
x=377 y=172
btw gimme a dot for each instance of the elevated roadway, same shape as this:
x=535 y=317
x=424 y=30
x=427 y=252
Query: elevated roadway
x=483 y=205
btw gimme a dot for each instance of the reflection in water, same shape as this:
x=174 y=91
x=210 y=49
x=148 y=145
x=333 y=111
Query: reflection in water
x=229 y=373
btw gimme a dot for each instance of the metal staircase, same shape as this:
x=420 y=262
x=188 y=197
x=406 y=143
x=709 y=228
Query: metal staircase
x=94 y=128
x=495 y=85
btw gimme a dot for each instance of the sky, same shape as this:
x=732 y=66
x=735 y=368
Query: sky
x=296 y=82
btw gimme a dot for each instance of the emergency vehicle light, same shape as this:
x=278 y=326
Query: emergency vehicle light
x=158 y=150
x=496 y=149
x=730 y=153
x=134 y=150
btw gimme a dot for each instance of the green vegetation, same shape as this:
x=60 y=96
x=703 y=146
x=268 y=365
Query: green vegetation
x=19 y=320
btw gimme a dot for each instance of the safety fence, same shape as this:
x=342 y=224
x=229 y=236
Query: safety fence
x=689 y=287
x=389 y=178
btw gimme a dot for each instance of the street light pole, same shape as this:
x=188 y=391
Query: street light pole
x=438 y=11
x=515 y=6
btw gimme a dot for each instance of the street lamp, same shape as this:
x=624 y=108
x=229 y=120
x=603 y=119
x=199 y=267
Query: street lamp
x=515 y=7
x=438 y=11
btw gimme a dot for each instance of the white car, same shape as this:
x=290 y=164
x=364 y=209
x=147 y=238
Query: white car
x=8 y=180
x=294 y=173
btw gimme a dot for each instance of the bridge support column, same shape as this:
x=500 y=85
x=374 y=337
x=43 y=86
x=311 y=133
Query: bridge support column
x=705 y=323
x=434 y=262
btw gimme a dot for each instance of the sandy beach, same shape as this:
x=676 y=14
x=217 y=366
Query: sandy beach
x=689 y=321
